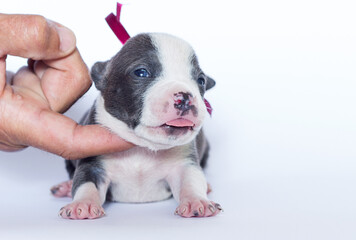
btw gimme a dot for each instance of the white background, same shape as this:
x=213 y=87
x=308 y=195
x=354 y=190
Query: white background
x=283 y=131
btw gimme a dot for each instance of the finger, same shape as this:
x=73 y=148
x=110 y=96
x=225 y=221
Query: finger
x=2 y=73
x=5 y=76
x=94 y=140
x=33 y=36
x=10 y=148
x=63 y=80
x=39 y=68
x=60 y=135
x=26 y=79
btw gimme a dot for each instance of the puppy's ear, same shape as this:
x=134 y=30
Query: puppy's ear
x=210 y=83
x=98 y=74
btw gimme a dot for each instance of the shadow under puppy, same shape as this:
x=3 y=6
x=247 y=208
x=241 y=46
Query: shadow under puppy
x=151 y=94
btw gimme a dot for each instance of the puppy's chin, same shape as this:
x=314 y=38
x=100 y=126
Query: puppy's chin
x=165 y=136
x=153 y=137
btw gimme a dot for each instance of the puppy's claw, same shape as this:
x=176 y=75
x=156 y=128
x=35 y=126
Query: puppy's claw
x=96 y=212
x=60 y=213
x=212 y=208
x=218 y=206
x=198 y=208
x=54 y=190
x=195 y=213
x=68 y=212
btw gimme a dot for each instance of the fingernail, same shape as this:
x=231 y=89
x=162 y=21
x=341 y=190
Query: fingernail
x=66 y=38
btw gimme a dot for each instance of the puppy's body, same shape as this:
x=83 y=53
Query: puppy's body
x=139 y=174
x=151 y=95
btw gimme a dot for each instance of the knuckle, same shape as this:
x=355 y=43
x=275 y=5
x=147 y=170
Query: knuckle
x=79 y=79
x=38 y=31
x=84 y=79
x=68 y=153
x=25 y=34
x=69 y=150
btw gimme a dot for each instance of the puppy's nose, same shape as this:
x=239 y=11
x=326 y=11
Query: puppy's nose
x=183 y=101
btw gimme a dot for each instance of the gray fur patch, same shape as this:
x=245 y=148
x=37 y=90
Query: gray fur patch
x=88 y=170
x=121 y=89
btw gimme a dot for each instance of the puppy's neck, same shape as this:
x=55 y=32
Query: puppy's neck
x=121 y=129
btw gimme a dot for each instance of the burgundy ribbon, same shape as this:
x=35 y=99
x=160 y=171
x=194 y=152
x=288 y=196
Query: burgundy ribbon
x=208 y=107
x=116 y=26
x=123 y=36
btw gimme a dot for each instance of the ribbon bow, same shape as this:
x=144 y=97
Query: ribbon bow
x=116 y=26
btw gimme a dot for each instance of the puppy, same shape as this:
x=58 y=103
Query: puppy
x=151 y=94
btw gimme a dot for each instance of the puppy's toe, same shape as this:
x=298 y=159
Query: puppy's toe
x=63 y=189
x=82 y=210
x=198 y=208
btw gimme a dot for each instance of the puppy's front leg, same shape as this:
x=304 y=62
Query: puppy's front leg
x=87 y=204
x=189 y=188
x=89 y=193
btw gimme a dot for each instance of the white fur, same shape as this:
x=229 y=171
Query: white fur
x=141 y=175
x=89 y=191
x=188 y=183
x=175 y=57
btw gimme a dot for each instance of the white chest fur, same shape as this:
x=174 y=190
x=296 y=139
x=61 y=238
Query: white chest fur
x=139 y=174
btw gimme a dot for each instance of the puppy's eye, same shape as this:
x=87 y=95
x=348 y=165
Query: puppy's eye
x=142 y=73
x=201 y=81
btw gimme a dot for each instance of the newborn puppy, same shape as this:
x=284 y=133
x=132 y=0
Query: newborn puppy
x=151 y=94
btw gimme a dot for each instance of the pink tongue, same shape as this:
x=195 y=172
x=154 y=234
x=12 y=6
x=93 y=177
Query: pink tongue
x=180 y=122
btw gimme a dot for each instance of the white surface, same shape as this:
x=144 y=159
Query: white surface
x=283 y=132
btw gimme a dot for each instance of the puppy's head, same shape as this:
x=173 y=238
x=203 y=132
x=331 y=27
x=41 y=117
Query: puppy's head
x=152 y=91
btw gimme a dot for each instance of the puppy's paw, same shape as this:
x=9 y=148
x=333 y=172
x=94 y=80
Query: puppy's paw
x=82 y=210
x=63 y=189
x=198 y=208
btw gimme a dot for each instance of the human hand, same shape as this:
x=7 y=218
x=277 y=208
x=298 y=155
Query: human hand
x=32 y=100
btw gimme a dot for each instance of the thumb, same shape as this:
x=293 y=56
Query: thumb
x=58 y=134
x=33 y=36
